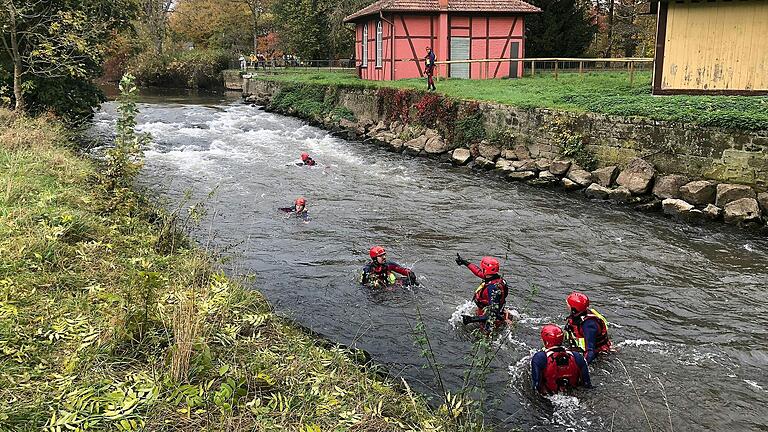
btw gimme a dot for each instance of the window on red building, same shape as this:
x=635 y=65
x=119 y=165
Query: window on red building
x=364 y=58
x=379 y=45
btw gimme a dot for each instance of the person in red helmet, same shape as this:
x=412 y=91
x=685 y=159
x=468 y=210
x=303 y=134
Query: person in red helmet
x=306 y=160
x=299 y=209
x=557 y=369
x=585 y=327
x=491 y=295
x=381 y=273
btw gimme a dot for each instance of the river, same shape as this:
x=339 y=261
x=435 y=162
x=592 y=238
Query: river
x=686 y=305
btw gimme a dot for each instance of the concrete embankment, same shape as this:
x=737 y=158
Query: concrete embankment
x=689 y=172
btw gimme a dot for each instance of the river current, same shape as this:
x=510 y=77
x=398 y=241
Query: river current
x=686 y=305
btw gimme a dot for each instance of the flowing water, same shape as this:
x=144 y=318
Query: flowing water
x=687 y=305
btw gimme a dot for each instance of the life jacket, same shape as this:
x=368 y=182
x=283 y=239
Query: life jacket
x=562 y=373
x=577 y=335
x=481 y=293
x=380 y=275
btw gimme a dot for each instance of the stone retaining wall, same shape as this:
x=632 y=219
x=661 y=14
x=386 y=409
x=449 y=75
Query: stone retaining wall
x=690 y=172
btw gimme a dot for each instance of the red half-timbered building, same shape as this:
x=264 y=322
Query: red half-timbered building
x=392 y=36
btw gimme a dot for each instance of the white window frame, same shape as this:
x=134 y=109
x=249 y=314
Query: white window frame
x=379 y=45
x=364 y=60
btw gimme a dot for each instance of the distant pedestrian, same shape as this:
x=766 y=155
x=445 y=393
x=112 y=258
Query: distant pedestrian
x=429 y=68
x=243 y=62
x=261 y=61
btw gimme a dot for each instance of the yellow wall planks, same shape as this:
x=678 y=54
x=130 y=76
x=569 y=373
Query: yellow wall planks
x=716 y=46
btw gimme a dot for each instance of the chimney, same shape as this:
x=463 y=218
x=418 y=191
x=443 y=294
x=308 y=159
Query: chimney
x=443 y=4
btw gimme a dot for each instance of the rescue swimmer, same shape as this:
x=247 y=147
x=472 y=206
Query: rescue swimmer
x=299 y=209
x=379 y=272
x=557 y=369
x=306 y=160
x=586 y=329
x=491 y=296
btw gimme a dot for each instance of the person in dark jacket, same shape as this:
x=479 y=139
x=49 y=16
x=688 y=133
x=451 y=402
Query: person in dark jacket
x=586 y=328
x=557 y=369
x=491 y=296
x=381 y=273
x=299 y=209
x=429 y=69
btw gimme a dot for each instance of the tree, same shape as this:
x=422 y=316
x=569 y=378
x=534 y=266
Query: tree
x=257 y=8
x=563 y=29
x=211 y=23
x=50 y=43
x=314 y=29
x=154 y=17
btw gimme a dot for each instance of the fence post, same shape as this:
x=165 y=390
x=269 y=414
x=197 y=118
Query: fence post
x=533 y=68
x=631 y=73
x=556 y=62
x=581 y=67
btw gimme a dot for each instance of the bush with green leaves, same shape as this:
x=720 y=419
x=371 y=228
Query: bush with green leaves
x=197 y=68
x=124 y=159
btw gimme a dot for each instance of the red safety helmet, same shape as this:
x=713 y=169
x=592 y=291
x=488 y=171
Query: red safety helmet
x=551 y=335
x=300 y=202
x=489 y=265
x=377 y=251
x=304 y=156
x=578 y=301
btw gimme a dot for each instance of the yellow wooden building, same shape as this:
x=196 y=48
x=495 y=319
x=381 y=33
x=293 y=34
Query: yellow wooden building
x=711 y=47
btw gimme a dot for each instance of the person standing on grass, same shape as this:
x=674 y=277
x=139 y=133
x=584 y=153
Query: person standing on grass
x=429 y=69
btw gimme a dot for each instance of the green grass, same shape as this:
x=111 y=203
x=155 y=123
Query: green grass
x=599 y=92
x=102 y=329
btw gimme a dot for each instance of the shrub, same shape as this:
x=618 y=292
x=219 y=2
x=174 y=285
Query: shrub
x=184 y=69
x=501 y=137
x=470 y=128
x=395 y=104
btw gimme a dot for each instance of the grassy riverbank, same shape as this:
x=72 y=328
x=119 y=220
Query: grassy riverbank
x=109 y=320
x=600 y=92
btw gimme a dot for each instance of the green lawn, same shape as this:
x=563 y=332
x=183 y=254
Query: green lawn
x=600 y=92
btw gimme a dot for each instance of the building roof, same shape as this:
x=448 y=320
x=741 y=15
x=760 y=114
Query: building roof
x=496 y=6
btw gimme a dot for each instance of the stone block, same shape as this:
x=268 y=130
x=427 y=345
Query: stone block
x=676 y=207
x=559 y=167
x=521 y=175
x=580 y=176
x=727 y=193
x=461 y=156
x=597 y=192
x=669 y=186
x=605 y=176
x=742 y=211
x=638 y=176
x=699 y=192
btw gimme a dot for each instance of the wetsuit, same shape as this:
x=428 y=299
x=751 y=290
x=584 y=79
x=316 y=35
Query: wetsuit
x=309 y=162
x=304 y=214
x=381 y=274
x=491 y=294
x=557 y=369
x=588 y=330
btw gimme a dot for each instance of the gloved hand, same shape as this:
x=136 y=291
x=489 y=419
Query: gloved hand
x=412 y=277
x=461 y=261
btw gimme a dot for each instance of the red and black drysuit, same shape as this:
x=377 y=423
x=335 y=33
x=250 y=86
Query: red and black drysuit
x=375 y=273
x=491 y=296
x=589 y=332
x=557 y=369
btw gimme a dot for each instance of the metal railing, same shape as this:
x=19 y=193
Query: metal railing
x=553 y=66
